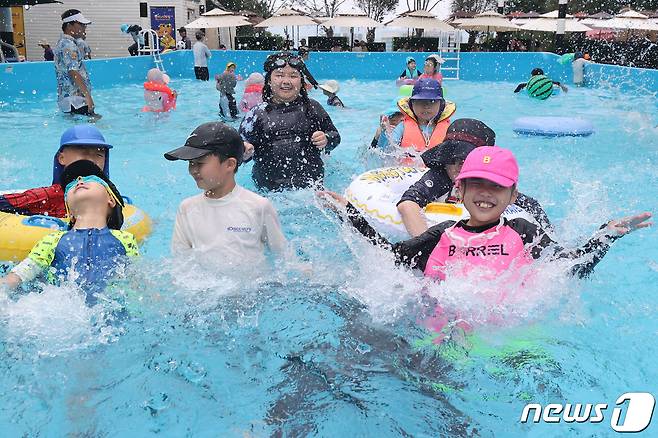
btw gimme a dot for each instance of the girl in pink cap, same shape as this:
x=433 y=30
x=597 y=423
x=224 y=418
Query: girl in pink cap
x=488 y=184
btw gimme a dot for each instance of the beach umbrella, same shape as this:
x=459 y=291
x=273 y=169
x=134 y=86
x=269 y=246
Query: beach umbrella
x=287 y=17
x=218 y=18
x=550 y=25
x=629 y=20
x=553 y=14
x=420 y=20
x=489 y=21
x=351 y=19
x=525 y=17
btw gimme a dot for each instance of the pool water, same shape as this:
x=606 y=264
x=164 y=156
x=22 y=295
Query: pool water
x=334 y=347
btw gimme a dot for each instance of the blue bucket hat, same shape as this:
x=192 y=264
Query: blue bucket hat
x=81 y=136
x=427 y=89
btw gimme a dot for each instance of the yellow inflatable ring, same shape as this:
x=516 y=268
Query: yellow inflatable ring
x=18 y=233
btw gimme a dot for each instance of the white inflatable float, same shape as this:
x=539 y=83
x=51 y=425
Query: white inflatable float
x=376 y=193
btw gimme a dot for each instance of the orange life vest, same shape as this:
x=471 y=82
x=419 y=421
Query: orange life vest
x=162 y=88
x=253 y=88
x=413 y=137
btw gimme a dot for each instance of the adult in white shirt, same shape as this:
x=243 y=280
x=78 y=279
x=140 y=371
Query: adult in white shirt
x=201 y=56
x=227 y=221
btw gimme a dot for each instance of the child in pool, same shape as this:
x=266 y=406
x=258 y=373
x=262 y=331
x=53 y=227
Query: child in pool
x=411 y=72
x=537 y=85
x=225 y=84
x=329 y=89
x=94 y=248
x=253 y=92
x=488 y=184
x=80 y=142
x=444 y=163
x=426 y=120
x=157 y=94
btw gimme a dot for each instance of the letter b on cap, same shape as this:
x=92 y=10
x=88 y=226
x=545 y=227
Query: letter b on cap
x=638 y=414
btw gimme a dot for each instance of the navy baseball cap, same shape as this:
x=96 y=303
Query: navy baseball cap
x=427 y=89
x=81 y=136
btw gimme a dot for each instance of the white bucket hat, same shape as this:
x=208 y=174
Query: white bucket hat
x=331 y=86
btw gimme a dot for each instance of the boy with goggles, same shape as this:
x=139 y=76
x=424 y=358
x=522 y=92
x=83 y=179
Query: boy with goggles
x=94 y=248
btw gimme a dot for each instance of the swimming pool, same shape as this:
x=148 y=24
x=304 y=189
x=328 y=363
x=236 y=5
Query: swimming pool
x=337 y=350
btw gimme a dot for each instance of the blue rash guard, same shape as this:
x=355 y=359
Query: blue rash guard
x=88 y=257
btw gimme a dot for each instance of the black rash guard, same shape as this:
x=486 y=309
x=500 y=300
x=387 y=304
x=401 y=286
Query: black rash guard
x=415 y=252
x=284 y=156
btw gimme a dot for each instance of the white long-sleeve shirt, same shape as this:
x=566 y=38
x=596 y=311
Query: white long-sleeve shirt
x=233 y=229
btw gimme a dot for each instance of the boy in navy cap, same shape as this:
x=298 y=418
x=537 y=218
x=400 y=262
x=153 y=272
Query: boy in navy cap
x=81 y=142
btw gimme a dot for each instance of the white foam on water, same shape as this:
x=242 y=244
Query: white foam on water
x=55 y=321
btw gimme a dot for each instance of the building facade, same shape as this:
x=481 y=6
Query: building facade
x=104 y=35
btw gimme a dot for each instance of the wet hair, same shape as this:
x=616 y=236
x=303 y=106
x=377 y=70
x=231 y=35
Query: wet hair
x=66 y=14
x=536 y=71
x=199 y=35
x=223 y=158
x=270 y=66
x=433 y=60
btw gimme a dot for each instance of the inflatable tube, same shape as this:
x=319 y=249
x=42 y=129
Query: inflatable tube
x=376 y=193
x=405 y=81
x=553 y=126
x=18 y=234
x=405 y=90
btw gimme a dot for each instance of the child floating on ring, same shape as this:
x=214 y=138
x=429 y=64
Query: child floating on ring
x=539 y=85
x=488 y=184
x=157 y=94
x=94 y=248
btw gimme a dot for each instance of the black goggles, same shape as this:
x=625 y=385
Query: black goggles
x=280 y=61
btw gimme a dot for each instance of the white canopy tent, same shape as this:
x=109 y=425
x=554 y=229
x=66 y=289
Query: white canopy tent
x=489 y=21
x=629 y=20
x=420 y=20
x=352 y=19
x=219 y=19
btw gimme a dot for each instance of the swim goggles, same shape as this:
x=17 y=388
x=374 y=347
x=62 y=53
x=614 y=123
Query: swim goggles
x=279 y=60
x=89 y=179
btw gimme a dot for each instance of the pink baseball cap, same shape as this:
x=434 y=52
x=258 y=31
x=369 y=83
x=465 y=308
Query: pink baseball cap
x=492 y=163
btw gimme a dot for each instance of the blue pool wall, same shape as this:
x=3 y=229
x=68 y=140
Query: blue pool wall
x=28 y=80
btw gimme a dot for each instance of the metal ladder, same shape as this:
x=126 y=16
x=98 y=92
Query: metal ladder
x=149 y=44
x=449 y=51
